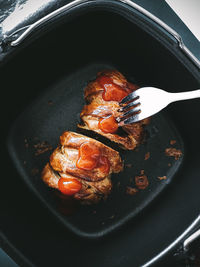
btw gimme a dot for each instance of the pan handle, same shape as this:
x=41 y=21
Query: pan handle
x=180 y=246
x=184 y=254
x=190 y=239
x=14 y=39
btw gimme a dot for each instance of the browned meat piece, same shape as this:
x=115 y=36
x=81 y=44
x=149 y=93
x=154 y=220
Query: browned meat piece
x=91 y=192
x=50 y=177
x=95 y=183
x=102 y=97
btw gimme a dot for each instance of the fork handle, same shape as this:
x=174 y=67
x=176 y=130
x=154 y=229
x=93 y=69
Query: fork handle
x=185 y=95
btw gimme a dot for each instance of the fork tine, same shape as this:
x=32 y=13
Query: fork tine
x=130 y=120
x=133 y=103
x=129 y=97
x=131 y=111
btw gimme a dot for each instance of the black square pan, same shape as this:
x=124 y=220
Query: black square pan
x=57 y=110
x=127 y=44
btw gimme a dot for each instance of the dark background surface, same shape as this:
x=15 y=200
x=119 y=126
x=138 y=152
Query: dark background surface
x=160 y=9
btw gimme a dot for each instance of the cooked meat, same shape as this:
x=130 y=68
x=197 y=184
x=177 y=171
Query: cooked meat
x=74 y=140
x=81 y=167
x=50 y=177
x=102 y=97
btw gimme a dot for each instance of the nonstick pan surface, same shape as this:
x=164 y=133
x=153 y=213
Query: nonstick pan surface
x=58 y=110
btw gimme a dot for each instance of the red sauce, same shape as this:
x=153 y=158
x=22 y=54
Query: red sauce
x=69 y=186
x=90 y=157
x=108 y=124
x=112 y=91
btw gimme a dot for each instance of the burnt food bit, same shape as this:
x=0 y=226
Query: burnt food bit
x=42 y=147
x=162 y=177
x=141 y=181
x=128 y=165
x=173 y=152
x=50 y=102
x=131 y=190
x=172 y=142
x=142 y=172
x=147 y=156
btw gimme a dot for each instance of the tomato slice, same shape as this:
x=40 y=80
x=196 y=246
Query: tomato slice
x=86 y=164
x=69 y=186
x=89 y=150
x=108 y=124
x=112 y=92
x=88 y=156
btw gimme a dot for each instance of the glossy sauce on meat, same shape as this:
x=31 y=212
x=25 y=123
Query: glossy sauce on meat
x=112 y=91
x=80 y=169
x=69 y=186
x=90 y=157
x=108 y=124
x=99 y=114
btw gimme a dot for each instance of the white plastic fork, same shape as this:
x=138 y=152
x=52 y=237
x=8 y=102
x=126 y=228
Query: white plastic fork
x=148 y=101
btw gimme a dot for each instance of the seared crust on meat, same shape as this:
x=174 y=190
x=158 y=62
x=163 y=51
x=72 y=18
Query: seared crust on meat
x=97 y=108
x=126 y=142
x=91 y=192
x=94 y=87
x=50 y=177
x=74 y=141
x=95 y=184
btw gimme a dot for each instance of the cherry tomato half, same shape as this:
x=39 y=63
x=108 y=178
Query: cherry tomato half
x=69 y=186
x=112 y=92
x=88 y=156
x=108 y=124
